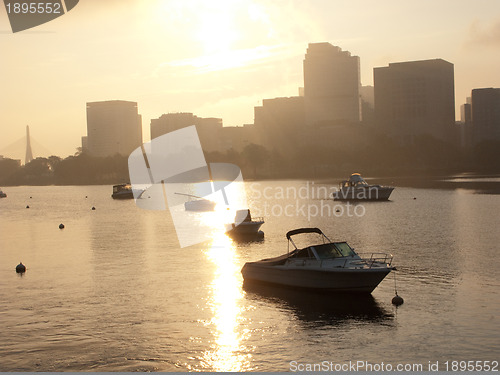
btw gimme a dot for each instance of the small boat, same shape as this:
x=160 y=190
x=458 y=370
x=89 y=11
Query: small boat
x=245 y=226
x=122 y=191
x=2 y=194
x=356 y=188
x=199 y=204
x=326 y=267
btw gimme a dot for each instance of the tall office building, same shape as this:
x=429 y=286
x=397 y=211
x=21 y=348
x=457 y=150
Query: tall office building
x=415 y=98
x=331 y=85
x=209 y=129
x=113 y=127
x=486 y=114
x=279 y=122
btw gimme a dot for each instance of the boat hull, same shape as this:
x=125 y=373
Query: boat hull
x=364 y=194
x=199 y=205
x=123 y=195
x=244 y=228
x=339 y=280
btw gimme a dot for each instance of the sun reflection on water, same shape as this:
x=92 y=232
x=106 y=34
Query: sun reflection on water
x=228 y=352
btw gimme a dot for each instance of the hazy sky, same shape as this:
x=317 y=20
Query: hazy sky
x=218 y=58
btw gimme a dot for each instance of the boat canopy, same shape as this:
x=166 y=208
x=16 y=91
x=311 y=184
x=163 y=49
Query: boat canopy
x=303 y=230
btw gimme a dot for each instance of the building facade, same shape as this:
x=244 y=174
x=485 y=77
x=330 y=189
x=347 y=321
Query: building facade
x=415 y=98
x=279 y=122
x=331 y=85
x=485 y=110
x=209 y=129
x=113 y=127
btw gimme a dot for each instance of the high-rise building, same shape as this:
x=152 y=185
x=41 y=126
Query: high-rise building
x=415 y=98
x=331 y=85
x=486 y=114
x=279 y=121
x=209 y=129
x=113 y=127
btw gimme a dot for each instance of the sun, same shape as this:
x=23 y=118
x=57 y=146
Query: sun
x=216 y=32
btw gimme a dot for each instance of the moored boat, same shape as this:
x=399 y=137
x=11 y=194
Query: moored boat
x=245 y=226
x=2 y=194
x=198 y=203
x=122 y=191
x=356 y=188
x=328 y=266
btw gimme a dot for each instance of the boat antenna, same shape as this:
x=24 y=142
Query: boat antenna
x=189 y=195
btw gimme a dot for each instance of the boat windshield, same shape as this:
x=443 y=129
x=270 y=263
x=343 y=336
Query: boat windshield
x=327 y=250
x=344 y=249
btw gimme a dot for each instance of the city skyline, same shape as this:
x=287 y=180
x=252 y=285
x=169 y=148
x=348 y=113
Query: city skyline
x=219 y=60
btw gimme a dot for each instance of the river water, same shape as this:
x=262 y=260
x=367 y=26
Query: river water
x=113 y=290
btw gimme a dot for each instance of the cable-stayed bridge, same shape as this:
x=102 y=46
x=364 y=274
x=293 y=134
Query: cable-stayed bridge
x=25 y=149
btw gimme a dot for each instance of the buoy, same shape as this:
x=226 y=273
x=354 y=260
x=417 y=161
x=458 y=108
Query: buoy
x=93 y=208
x=61 y=226
x=414 y=198
x=31 y=197
x=27 y=206
x=337 y=210
x=20 y=268
x=397 y=300
x=86 y=197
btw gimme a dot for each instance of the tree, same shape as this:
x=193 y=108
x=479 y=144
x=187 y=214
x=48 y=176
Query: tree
x=255 y=156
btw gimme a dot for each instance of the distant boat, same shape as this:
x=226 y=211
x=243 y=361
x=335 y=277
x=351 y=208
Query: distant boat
x=199 y=204
x=356 y=188
x=244 y=225
x=122 y=191
x=2 y=194
x=328 y=266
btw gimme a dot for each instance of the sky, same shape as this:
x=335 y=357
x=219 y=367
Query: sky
x=217 y=58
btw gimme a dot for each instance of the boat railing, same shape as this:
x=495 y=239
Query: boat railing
x=370 y=260
x=376 y=258
x=257 y=218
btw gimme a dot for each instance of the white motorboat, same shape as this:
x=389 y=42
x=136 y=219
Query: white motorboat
x=2 y=194
x=244 y=225
x=198 y=204
x=328 y=266
x=356 y=188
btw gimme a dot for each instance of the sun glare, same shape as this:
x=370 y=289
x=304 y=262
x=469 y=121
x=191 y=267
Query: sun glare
x=219 y=30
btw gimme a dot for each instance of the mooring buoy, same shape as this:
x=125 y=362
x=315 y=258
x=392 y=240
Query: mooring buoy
x=61 y=226
x=20 y=268
x=93 y=208
x=27 y=206
x=397 y=300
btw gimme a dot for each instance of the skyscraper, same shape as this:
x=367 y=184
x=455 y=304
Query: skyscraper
x=486 y=114
x=113 y=127
x=331 y=85
x=415 y=98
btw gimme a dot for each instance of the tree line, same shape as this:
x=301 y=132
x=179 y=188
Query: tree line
x=425 y=156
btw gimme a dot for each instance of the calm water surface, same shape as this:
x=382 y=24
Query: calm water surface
x=114 y=292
